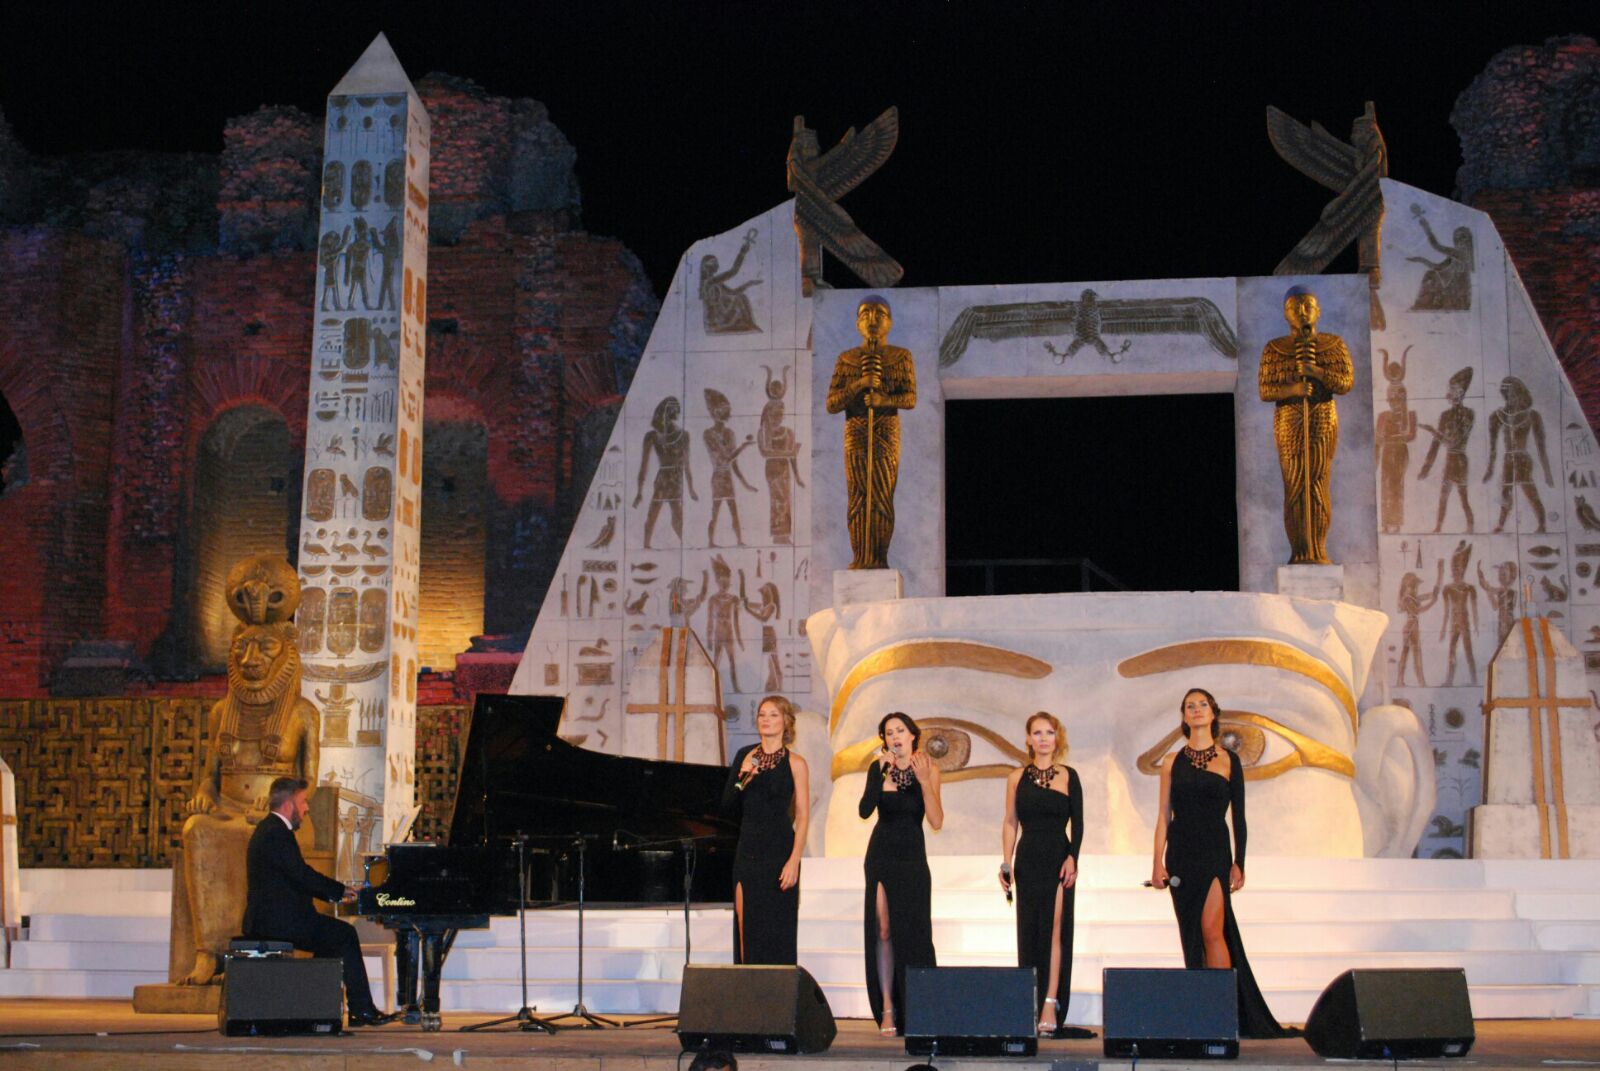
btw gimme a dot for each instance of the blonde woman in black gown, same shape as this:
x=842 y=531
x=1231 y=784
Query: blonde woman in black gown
x=768 y=787
x=1044 y=801
x=1200 y=782
x=903 y=787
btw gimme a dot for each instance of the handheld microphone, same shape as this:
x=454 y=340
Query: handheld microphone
x=1005 y=871
x=616 y=842
x=1172 y=880
x=744 y=779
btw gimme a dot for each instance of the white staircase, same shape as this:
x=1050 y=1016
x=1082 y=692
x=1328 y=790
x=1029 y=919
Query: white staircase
x=1527 y=934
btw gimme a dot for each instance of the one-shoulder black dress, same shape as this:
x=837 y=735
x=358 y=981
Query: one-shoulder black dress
x=766 y=840
x=1045 y=815
x=897 y=859
x=1199 y=855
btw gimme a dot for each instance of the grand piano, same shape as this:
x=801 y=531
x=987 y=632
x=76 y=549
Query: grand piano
x=641 y=826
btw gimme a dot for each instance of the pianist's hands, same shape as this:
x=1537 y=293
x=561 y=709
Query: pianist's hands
x=349 y=896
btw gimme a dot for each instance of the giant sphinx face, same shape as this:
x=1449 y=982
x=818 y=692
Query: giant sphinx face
x=263 y=589
x=1323 y=779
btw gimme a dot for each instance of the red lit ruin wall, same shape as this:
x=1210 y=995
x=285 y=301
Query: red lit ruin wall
x=1530 y=147
x=119 y=354
x=60 y=347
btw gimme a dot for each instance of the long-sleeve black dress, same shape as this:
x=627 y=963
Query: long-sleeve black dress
x=1045 y=815
x=766 y=839
x=897 y=859
x=1198 y=854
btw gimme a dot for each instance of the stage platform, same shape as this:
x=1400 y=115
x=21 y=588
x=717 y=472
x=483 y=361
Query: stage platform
x=1526 y=933
x=58 y=1034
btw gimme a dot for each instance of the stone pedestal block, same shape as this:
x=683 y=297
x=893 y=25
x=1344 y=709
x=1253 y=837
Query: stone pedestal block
x=1511 y=831
x=1541 y=783
x=1312 y=581
x=866 y=585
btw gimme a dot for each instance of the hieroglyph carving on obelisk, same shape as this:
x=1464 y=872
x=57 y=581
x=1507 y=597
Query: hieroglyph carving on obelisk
x=360 y=513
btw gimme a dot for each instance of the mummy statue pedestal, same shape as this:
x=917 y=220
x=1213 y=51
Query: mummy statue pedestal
x=1312 y=581
x=1541 y=771
x=852 y=586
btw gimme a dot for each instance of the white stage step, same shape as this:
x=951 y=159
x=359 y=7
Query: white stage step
x=1527 y=934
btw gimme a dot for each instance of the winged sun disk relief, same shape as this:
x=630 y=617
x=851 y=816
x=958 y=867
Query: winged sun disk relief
x=1117 y=316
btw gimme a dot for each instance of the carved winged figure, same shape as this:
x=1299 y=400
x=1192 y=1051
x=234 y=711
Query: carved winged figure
x=818 y=180
x=1352 y=171
x=1086 y=320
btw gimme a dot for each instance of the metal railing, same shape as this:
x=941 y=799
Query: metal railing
x=1088 y=572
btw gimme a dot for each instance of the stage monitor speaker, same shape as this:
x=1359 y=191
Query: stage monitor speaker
x=281 y=996
x=971 y=1011
x=1393 y=1015
x=753 y=1009
x=1170 y=1013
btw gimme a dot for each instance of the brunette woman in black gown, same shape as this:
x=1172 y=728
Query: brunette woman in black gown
x=1200 y=782
x=1044 y=798
x=903 y=787
x=768 y=786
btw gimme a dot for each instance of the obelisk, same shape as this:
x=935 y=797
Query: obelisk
x=360 y=512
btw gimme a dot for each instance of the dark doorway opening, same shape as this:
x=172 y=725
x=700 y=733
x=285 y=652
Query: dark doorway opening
x=1090 y=494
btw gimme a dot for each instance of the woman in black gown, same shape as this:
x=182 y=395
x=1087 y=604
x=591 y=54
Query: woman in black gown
x=1199 y=783
x=767 y=784
x=903 y=787
x=1043 y=799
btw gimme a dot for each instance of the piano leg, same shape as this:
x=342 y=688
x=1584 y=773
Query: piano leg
x=435 y=946
x=406 y=950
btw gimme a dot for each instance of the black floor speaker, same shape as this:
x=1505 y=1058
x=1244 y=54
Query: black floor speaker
x=1393 y=1015
x=1171 y=1013
x=281 y=996
x=970 y=1011
x=753 y=1009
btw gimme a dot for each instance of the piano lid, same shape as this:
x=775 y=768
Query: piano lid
x=518 y=774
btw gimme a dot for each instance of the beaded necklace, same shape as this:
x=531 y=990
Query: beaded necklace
x=1042 y=778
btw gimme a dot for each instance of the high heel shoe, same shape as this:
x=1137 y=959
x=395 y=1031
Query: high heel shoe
x=887 y=1030
x=1047 y=1022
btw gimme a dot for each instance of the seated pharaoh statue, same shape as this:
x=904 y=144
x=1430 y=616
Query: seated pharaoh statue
x=262 y=729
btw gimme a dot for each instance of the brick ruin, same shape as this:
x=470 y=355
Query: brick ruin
x=155 y=363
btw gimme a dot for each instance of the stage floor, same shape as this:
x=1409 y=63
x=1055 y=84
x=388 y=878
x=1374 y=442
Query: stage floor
x=107 y=1034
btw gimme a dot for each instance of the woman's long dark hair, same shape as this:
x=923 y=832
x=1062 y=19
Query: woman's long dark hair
x=1216 y=713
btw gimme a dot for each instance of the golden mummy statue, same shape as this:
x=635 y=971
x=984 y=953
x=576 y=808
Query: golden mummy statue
x=871 y=383
x=1301 y=373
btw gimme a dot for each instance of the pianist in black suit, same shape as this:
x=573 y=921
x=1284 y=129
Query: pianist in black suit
x=278 y=905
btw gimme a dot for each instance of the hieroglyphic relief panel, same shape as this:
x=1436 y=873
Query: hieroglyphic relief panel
x=359 y=536
x=699 y=512
x=1484 y=469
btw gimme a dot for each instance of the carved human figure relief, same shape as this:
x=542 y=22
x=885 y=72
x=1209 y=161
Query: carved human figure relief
x=1412 y=604
x=1460 y=615
x=780 y=450
x=1395 y=430
x=722 y=445
x=1517 y=419
x=668 y=442
x=725 y=308
x=1447 y=284
x=1453 y=430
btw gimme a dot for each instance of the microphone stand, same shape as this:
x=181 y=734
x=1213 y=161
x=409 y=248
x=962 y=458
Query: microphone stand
x=524 y=1016
x=689 y=846
x=587 y=1020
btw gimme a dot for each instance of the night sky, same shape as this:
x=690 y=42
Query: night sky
x=1038 y=142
